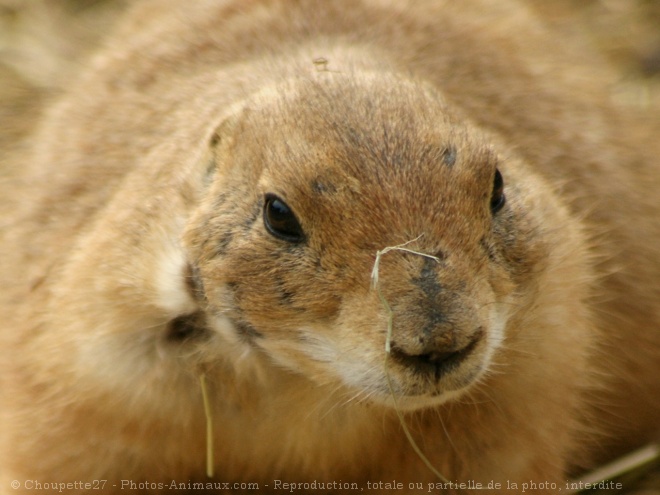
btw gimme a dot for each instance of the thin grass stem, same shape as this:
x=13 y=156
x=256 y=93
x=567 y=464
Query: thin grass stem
x=388 y=347
x=209 y=426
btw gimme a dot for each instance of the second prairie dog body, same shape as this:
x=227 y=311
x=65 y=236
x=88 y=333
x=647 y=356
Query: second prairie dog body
x=210 y=198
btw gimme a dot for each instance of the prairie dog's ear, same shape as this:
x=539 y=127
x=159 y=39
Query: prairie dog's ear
x=224 y=130
x=211 y=154
x=222 y=137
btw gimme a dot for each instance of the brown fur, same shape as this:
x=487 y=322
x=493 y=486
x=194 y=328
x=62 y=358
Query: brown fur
x=136 y=256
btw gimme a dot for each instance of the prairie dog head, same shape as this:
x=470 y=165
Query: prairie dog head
x=310 y=180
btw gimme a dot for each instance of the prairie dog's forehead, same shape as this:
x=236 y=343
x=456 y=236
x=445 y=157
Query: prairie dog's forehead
x=337 y=105
x=364 y=128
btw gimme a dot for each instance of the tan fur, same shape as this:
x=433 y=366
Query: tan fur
x=139 y=214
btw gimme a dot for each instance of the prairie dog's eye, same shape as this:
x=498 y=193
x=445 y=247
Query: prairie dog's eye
x=280 y=221
x=497 y=198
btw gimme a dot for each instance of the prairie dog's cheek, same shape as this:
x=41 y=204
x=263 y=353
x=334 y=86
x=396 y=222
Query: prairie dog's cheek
x=171 y=282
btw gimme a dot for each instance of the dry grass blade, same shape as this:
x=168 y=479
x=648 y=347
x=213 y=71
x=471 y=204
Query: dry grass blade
x=376 y=286
x=388 y=347
x=409 y=436
x=634 y=464
x=209 y=426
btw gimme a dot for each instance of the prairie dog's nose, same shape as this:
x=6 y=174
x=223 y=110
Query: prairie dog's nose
x=433 y=358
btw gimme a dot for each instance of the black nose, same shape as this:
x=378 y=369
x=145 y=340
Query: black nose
x=435 y=362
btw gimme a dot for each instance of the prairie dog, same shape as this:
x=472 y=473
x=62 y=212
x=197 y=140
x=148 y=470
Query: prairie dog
x=211 y=198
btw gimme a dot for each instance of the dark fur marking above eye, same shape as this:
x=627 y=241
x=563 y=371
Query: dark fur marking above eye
x=322 y=187
x=449 y=156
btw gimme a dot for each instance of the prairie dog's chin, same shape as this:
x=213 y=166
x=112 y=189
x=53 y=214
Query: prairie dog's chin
x=409 y=403
x=407 y=390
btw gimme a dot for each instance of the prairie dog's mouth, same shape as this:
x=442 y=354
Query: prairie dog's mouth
x=412 y=380
x=436 y=364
